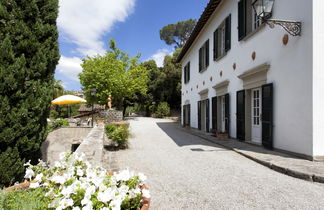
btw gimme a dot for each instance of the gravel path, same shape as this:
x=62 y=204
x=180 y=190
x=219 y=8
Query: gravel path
x=187 y=172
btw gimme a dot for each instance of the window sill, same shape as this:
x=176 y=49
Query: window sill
x=203 y=70
x=248 y=36
x=221 y=56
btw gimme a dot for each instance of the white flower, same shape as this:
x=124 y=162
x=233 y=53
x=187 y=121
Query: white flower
x=142 y=177
x=27 y=164
x=88 y=206
x=86 y=200
x=123 y=175
x=146 y=193
x=104 y=208
x=39 y=177
x=58 y=164
x=62 y=155
x=80 y=172
x=90 y=190
x=29 y=173
x=134 y=192
x=76 y=208
x=67 y=191
x=34 y=185
x=58 y=179
x=115 y=204
x=106 y=196
x=66 y=202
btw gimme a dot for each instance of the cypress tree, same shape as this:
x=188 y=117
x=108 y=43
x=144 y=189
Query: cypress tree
x=28 y=57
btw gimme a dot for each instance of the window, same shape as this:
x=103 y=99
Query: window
x=186 y=73
x=248 y=21
x=222 y=38
x=204 y=56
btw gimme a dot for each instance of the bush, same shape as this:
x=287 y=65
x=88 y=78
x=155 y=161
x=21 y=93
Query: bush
x=163 y=110
x=118 y=133
x=57 y=124
x=28 y=57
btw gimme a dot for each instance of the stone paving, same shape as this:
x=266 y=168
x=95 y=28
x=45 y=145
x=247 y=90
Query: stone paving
x=188 y=172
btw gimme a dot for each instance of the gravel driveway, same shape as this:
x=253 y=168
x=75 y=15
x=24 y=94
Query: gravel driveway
x=187 y=172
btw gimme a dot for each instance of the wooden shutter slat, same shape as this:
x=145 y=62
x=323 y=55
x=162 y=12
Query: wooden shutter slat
x=214 y=114
x=200 y=56
x=207 y=115
x=227 y=114
x=267 y=115
x=188 y=69
x=228 y=33
x=207 y=53
x=240 y=115
x=241 y=19
x=216 y=44
x=199 y=115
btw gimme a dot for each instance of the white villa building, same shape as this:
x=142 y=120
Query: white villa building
x=256 y=83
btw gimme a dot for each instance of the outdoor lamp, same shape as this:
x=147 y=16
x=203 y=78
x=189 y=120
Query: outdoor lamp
x=263 y=9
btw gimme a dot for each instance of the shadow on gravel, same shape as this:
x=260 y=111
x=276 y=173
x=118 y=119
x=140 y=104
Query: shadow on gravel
x=181 y=138
x=185 y=139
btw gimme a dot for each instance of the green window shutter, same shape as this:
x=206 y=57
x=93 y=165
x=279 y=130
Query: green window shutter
x=241 y=19
x=216 y=44
x=185 y=74
x=200 y=56
x=228 y=33
x=188 y=72
x=207 y=53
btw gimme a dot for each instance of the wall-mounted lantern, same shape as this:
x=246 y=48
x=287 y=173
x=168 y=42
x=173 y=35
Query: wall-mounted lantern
x=263 y=9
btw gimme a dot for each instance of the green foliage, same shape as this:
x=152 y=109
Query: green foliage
x=28 y=57
x=164 y=83
x=119 y=133
x=163 y=110
x=57 y=124
x=114 y=74
x=24 y=199
x=177 y=33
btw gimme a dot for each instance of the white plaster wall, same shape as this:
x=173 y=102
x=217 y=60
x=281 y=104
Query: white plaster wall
x=318 y=78
x=290 y=71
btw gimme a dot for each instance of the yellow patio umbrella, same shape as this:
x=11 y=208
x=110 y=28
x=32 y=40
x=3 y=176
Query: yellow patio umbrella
x=68 y=99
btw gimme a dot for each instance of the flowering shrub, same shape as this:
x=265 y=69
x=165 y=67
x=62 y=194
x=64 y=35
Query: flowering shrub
x=74 y=184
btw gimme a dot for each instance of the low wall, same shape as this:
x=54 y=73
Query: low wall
x=111 y=115
x=60 y=140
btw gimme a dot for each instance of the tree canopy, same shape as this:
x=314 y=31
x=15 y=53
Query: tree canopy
x=28 y=56
x=115 y=74
x=177 y=33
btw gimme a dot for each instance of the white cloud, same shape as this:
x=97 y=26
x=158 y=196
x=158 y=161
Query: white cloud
x=159 y=56
x=83 y=22
x=69 y=67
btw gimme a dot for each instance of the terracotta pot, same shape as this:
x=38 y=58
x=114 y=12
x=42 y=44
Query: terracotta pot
x=222 y=136
x=19 y=186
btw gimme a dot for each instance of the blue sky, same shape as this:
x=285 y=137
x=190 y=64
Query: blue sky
x=85 y=27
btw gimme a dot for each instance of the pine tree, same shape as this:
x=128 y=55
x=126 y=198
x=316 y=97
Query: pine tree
x=28 y=57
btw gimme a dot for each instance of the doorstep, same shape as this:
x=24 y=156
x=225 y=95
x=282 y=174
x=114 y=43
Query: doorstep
x=275 y=160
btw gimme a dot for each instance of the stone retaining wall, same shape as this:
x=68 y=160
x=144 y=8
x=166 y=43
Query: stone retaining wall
x=61 y=140
x=111 y=116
